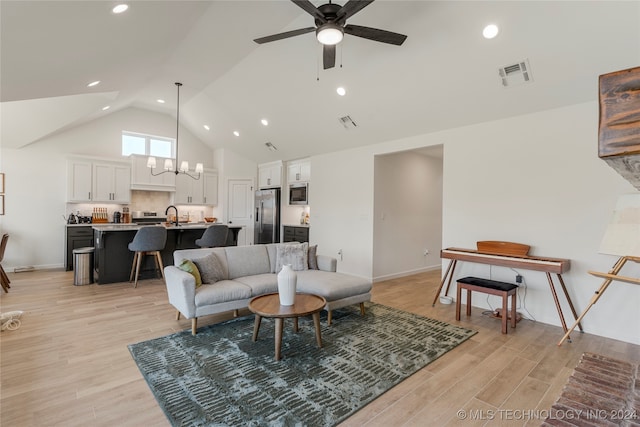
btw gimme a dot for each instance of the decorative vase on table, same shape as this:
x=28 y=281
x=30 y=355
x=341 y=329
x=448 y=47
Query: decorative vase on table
x=287 y=282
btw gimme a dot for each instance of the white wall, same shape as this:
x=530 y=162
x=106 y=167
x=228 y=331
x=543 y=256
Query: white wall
x=37 y=180
x=407 y=214
x=537 y=179
x=534 y=179
x=342 y=208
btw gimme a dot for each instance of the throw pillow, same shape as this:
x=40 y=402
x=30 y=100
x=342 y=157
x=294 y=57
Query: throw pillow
x=210 y=268
x=296 y=255
x=190 y=267
x=313 y=262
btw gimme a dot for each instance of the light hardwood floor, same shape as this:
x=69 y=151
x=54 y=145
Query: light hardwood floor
x=68 y=364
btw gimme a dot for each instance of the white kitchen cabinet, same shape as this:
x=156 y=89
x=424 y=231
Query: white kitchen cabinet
x=111 y=182
x=270 y=175
x=203 y=191
x=141 y=178
x=189 y=191
x=299 y=171
x=98 y=181
x=210 y=188
x=79 y=180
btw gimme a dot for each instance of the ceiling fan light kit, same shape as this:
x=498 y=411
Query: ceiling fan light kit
x=329 y=34
x=330 y=26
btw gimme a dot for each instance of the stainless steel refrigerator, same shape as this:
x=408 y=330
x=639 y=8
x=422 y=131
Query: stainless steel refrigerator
x=267 y=226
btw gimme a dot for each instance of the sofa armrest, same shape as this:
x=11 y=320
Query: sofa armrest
x=181 y=289
x=327 y=263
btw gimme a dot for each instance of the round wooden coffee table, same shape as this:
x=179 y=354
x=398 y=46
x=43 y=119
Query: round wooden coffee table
x=269 y=306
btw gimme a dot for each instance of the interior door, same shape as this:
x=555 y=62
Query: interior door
x=240 y=208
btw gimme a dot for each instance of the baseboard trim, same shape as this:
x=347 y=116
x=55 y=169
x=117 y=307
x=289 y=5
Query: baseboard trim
x=406 y=273
x=29 y=268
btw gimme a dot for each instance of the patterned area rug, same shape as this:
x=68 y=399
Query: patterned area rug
x=602 y=391
x=220 y=377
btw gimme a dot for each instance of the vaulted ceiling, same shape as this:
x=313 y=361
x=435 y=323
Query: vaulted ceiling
x=445 y=75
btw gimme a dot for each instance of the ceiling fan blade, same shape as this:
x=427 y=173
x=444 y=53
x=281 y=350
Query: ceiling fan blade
x=351 y=8
x=285 y=35
x=308 y=7
x=375 y=34
x=329 y=56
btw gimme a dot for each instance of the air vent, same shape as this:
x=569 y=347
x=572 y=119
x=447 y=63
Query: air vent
x=516 y=74
x=348 y=122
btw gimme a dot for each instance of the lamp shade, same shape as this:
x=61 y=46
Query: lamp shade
x=184 y=166
x=622 y=237
x=151 y=162
x=168 y=164
x=199 y=168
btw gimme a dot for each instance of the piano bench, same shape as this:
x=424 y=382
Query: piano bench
x=492 y=287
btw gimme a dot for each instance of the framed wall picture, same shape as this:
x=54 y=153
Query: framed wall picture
x=1 y=182
x=1 y=204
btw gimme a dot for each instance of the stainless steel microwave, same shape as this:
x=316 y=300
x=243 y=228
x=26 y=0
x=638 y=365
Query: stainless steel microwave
x=299 y=193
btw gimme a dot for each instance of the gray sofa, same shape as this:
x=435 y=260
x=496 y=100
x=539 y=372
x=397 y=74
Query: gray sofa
x=249 y=271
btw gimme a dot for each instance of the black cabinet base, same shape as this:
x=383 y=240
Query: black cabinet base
x=295 y=234
x=113 y=259
x=76 y=237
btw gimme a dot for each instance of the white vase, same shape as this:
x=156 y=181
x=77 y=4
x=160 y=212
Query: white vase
x=287 y=282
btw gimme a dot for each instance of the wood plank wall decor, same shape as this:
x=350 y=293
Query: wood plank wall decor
x=619 y=127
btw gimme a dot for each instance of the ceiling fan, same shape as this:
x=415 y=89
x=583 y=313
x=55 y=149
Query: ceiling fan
x=330 y=20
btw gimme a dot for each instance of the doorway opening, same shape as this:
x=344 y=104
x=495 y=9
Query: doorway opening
x=407 y=224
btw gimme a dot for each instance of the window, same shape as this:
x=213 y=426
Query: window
x=147 y=145
x=133 y=144
x=161 y=147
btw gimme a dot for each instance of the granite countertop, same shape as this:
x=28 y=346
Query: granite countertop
x=132 y=226
x=297 y=225
x=91 y=224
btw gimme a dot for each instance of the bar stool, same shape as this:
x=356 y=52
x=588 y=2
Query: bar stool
x=214 y=236
x=148 y=240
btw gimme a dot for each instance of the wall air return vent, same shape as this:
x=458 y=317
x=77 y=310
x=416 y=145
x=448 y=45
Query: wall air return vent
x=516 y=74
x=348 y=122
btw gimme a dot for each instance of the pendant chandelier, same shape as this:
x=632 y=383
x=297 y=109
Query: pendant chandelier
x=168 y=163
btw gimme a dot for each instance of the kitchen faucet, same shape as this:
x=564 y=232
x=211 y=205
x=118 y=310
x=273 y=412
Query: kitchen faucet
x=176 y=209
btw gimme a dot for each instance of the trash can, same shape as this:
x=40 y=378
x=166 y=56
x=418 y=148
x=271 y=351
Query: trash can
x=83 y=266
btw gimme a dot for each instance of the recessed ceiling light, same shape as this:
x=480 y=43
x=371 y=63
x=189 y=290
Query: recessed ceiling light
x=265 y=122
x=160 y=101
x=236 y=133
x=92 y=84
x=106 y=107
x=120 y=8
x=490 y=31
x=341 y=91
x=206 y=127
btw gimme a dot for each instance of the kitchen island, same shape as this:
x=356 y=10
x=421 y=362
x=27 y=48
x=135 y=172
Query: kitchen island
x=113 y=259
